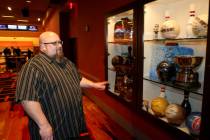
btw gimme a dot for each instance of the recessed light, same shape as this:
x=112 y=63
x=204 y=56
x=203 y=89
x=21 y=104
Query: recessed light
x=7 y=16
x=28 y=1
x=9 y=8
x=22 y=20
x=38 y=19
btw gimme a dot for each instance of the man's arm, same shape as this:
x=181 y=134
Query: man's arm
x=85 y=83
x=34 y=110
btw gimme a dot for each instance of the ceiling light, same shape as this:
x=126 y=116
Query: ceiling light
x=9 y=8
x=22 y=20
x=38 y=19
x=7 y=16
x=28 y=1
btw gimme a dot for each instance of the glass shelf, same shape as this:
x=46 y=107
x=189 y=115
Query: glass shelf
x=122 y=41
x=172 y=84
x=179 y=39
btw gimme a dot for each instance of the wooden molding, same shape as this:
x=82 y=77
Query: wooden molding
x=88 y=75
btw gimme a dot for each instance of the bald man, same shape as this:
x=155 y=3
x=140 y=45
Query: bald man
x=49 y=88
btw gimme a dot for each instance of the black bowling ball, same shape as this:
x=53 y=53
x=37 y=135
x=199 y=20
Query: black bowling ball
x=166 y=71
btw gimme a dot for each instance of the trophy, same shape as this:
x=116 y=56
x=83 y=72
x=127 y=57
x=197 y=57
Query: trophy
x=187 y=75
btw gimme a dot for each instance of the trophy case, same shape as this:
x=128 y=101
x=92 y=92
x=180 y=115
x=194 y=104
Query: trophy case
x=175 y=75
x=120 y=36
x=157 y=62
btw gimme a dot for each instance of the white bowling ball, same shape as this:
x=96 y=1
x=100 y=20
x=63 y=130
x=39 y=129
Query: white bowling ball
x=200 y=25
x=170 y=29
x=175 y=114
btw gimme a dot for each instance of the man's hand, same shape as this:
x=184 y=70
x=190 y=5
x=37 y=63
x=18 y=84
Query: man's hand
x=85 y=83
x=34 y=110
x=46 y=132
x=100 y=85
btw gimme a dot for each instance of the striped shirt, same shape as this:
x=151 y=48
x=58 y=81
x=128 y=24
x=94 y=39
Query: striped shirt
x=56 y=86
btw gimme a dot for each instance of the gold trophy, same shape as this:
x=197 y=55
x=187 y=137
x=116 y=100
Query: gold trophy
x=187 y=75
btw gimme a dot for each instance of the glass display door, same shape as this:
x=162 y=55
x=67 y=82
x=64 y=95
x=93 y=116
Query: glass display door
x=120 y=62
x=175 y=43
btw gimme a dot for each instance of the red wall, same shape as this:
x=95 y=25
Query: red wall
x=52 y=22
x=91 y=62
x=91 y=45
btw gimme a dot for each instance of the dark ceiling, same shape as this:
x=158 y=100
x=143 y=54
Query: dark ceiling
x=22 y=10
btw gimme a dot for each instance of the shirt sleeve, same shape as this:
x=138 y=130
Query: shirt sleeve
x=27 y=84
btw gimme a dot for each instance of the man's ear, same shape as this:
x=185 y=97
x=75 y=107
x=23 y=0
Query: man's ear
x=43 y=48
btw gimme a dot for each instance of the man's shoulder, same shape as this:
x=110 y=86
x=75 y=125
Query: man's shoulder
x=68 y=61
x=34 y=61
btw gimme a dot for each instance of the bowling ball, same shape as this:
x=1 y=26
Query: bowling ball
x=193 y=122
x=170 y=29
x=166 y=71
x=158 y=106
x=200 y=25
x=175 y=114
x=117 y=60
